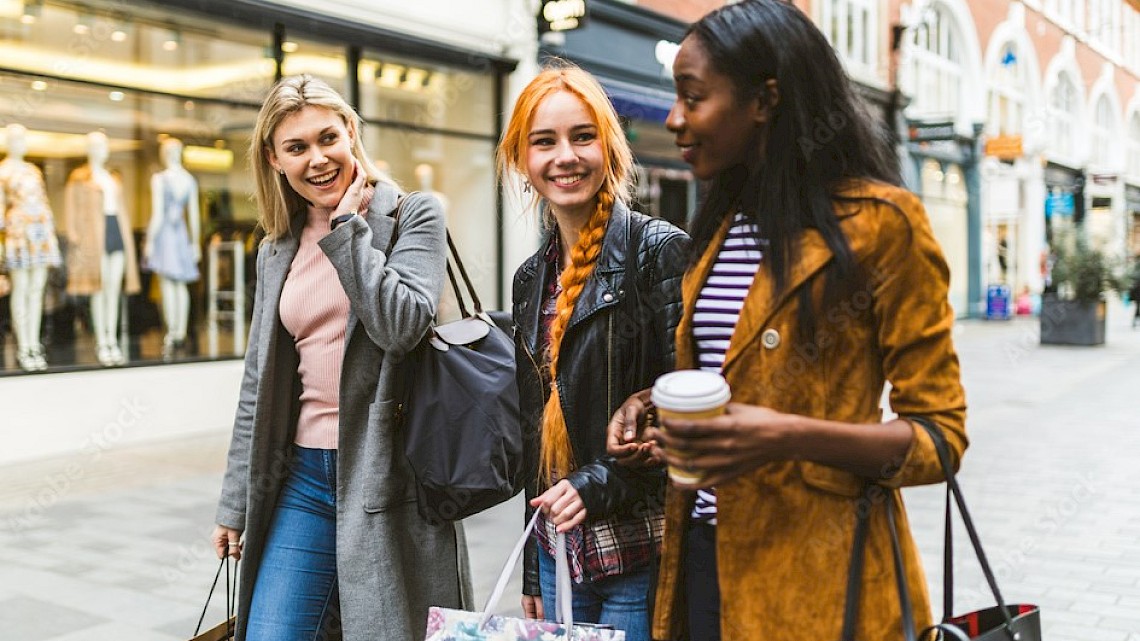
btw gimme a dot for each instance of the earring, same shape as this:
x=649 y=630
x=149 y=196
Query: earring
x=526 y=186
x=281 y=171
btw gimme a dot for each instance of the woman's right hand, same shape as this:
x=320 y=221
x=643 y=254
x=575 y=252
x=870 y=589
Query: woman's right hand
x=532 y=607
x=227 y=540
x=624 y=433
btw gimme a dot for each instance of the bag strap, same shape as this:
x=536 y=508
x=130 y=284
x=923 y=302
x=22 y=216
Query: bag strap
x=453 y=255
x=635 y=305
x=952 y=489
x=563 y=610
x=858 y=553
x=231 y=592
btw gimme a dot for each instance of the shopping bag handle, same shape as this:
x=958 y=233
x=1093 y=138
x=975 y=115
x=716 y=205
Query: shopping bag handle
x=563 y=611
x=231 y=593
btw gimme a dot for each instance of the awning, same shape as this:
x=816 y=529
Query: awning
x=639 y=103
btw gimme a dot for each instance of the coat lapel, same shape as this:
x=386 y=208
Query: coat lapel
x=691 y=286
x=761 y=302
x=281 y=253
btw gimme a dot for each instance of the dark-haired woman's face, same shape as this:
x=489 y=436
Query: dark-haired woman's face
x=713 y=127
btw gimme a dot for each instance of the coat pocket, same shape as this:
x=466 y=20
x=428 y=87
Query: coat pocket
x=387 y=479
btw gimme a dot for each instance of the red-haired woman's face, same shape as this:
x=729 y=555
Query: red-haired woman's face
x=564 y=159
x=714 y=129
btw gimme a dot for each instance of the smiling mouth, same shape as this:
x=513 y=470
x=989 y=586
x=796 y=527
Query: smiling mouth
x=323 y=179
x=568 y=180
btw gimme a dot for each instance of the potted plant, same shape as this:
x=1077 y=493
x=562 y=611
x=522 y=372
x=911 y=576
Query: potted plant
x=1073 y=306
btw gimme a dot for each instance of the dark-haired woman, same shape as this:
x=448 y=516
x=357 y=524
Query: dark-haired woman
x=815 y=281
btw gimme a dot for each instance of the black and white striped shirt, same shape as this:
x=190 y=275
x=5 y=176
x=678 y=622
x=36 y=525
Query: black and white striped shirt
x=718 y=310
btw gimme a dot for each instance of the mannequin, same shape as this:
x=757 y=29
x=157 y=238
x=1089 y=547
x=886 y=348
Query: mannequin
x=171 y=251
x=30 y=246
x=102 y=250
x=425 y=176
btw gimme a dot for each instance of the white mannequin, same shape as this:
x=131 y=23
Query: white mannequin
x=28 y=283
x=425 y=176
x=105 y=302
x=177 y=185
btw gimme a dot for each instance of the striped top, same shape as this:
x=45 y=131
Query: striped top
x=717 y=311
x=314 y=310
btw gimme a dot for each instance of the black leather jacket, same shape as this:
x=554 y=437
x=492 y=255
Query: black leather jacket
x=594 y=372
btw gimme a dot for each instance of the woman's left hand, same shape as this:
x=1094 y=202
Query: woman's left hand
x=562 y=504
x=722 y=448
x=354 y=195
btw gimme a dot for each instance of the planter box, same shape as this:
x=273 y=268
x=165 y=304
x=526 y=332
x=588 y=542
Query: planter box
x=1070 y=322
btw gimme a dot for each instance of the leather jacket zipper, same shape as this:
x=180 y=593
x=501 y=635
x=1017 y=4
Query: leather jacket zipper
x=610 y=365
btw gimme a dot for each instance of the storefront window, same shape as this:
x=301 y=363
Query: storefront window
x=1008 y=83
x=156 y=89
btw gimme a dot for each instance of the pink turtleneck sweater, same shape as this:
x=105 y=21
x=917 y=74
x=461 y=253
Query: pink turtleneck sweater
x=314 y=310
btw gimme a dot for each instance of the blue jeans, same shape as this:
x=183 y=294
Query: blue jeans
x=295 y=597
x=619 y=601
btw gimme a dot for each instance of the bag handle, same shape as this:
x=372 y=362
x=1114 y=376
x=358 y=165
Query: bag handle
x=855 y=573
x=952 y=489
x=563 y=611
x=231 y=593
x=453 y=255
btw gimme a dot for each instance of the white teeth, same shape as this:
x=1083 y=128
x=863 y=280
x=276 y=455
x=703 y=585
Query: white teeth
x=568 y=180
x=323 y=179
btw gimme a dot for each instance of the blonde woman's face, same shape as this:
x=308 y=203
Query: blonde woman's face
x=314 y=149
x=564 y=159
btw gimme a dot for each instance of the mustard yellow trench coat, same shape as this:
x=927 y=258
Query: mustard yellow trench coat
x=784 y=530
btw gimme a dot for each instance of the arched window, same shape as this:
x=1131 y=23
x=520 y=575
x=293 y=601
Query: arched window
x=852 y=27
x=935 y=67
x=1008 y=85
x=1103 y=129
x=1064 y=107
x=1134 y=145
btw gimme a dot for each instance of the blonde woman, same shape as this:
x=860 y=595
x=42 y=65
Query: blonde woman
x=579 y=346
x=317 y=500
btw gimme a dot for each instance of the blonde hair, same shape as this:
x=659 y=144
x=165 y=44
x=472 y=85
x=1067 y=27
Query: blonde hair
x=277 y=202
x=556 y=458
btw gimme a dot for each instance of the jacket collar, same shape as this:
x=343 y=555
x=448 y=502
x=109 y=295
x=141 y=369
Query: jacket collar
x=761 y=302
x=284 y=249
x=611 y=261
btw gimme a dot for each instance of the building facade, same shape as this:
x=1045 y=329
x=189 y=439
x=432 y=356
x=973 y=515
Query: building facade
x=430 y=79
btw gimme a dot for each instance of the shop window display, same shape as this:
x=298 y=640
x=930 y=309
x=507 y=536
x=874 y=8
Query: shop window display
x=139 y=115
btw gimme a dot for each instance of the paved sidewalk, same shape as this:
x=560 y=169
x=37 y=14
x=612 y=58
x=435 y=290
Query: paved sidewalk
x=112 y=545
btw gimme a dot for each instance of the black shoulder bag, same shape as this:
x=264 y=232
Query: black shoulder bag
x=460 y=414
x=1018 y=622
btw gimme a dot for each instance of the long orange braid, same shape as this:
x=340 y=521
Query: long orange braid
x=556 y=456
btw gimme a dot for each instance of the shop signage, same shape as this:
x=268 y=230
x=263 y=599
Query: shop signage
x=1004 y=147
x=561 y=15
x=931 y=131
x=1103 y=179
x=1059 y=203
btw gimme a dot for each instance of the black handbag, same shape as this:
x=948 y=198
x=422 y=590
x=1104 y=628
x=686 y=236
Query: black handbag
x=462 y=426
x=1002 y=622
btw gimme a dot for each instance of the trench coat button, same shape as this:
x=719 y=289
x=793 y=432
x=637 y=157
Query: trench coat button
x=770 y=338
x=607 y=297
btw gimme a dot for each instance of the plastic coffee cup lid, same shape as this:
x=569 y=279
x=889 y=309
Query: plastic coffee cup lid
x=690 y=390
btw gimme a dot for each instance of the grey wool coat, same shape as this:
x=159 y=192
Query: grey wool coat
x=391 y=564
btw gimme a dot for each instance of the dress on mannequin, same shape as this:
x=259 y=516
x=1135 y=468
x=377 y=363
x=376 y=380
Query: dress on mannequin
x=172 y=250
x=101 y=252
x=30 y=246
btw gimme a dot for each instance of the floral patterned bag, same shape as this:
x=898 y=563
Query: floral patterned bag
x=459 y=625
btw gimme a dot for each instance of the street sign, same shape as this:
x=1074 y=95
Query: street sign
x=931 y=131
x=1004 y=147
x=561 y=15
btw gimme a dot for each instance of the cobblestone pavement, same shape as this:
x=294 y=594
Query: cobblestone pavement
x=112 y=545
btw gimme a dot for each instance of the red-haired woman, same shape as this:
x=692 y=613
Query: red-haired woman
x=579 y=341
